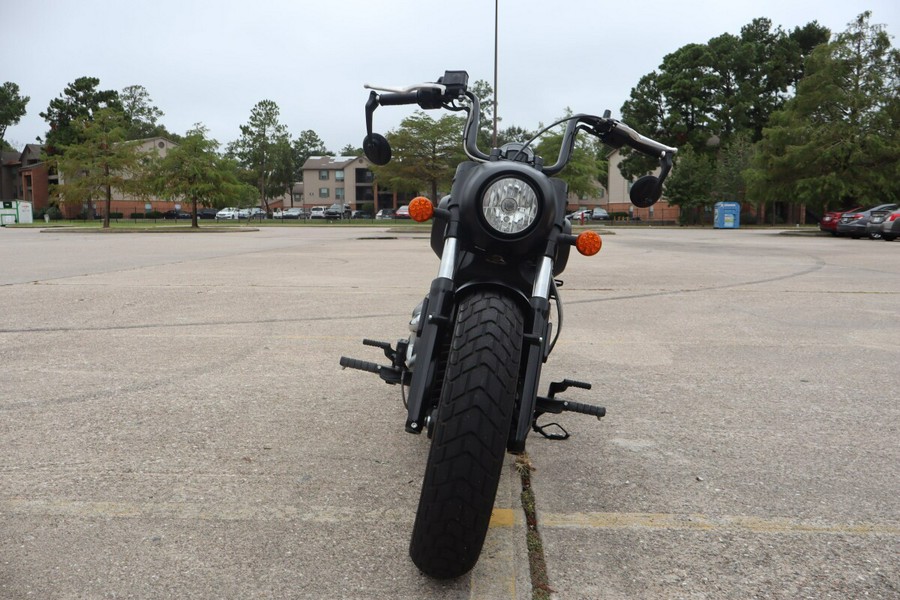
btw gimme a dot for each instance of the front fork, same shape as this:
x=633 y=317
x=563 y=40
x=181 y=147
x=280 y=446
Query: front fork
x=436 y=316
x=536 y=346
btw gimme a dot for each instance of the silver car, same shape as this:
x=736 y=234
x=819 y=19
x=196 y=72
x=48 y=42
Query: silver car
x=890 y=226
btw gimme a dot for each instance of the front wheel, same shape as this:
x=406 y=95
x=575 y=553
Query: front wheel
x=470 y=434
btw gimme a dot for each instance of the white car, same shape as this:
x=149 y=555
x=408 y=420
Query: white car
x=229 y=213
x=579 y=216
x=317 y=212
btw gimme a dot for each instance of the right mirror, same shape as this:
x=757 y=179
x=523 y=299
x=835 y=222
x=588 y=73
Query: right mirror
x=645 y=192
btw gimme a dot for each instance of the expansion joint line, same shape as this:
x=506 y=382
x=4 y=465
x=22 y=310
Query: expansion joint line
x=540 y=585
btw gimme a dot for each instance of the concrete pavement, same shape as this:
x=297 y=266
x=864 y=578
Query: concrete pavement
x=174 y=422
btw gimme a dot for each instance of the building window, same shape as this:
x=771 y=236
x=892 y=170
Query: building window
x=364 y=176
x=339 y=175
x=323 y=174
x=324 y=192
x=339 y=194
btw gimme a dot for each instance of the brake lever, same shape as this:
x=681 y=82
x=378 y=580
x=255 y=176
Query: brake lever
x=410 y=88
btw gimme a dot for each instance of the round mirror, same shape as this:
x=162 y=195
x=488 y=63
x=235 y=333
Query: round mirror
x=645 y=191
x=377 y=149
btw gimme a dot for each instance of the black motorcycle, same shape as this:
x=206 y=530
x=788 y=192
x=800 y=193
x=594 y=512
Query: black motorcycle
x=473 y=359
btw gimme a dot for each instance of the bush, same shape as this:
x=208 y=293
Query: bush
x=115 y=215
x=136 y=216
x=154 y=214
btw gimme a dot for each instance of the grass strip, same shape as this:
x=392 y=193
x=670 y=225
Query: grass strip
x=540 y=584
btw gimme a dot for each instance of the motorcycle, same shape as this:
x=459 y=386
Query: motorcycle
x=472 y=361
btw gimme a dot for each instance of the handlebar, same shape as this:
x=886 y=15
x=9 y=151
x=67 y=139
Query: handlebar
x=453 y=86
x=617 y=134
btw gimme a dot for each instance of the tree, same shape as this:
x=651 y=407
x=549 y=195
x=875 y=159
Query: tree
x=513 y=133
x=260 y=148
x=307 y=144
x=12 y=107
x=425 y=154
x=690 y=185
x=838 y=140
x=101 y=161
x=710 y=92
x=485 y=94
x=79 y=101
x=351 y=150
x=141 y=114
x=194 y=170
x=585 y=165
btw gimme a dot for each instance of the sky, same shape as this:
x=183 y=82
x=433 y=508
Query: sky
x=212 y=62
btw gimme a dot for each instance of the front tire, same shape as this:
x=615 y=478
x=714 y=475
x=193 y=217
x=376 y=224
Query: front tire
x=470 y=434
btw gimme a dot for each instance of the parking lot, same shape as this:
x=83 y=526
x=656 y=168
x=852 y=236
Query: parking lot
x=174 y=422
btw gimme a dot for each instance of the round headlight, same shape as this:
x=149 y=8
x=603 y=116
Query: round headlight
x=510 y=205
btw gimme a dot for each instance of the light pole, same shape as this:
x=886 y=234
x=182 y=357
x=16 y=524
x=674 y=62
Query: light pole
x=496 y=20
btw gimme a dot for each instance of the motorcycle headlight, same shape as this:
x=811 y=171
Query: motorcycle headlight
x=510 y=205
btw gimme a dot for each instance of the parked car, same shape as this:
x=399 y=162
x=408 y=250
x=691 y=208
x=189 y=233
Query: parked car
x=384 y=214
x=402 y=212
x=176 y=214
x=256 y=213
x=360 y=214
x=855 y=224
x=243 y=213
x=579 y=216
x=890 y=228
x=599 y=214
x=229 y=213
x=295 y=213
x=830 y=220
x=207 y=213
x=317 y=212
x=876 y=222
x=338 y=211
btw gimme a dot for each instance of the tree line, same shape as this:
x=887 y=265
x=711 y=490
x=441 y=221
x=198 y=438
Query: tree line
x=94 y=137
x=798 y=117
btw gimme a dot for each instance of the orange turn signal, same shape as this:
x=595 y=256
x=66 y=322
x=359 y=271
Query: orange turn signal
x=421 y=209
x=588 y=243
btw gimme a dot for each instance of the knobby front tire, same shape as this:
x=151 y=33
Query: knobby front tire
x=470 y=435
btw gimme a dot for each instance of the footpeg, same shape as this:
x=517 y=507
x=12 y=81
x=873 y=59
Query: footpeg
x=550 y=404
x=393 y=374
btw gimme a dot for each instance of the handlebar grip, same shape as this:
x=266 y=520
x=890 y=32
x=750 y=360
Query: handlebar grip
x=362 y=365
x=585 y=409
x=394 y=99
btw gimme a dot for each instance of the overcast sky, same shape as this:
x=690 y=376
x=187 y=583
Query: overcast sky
x=211 y=62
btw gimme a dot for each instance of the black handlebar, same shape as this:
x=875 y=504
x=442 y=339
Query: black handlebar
x=453 y=86
x=618 y=134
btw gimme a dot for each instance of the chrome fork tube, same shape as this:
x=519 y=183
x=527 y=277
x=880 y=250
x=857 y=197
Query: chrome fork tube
x=542 y=280
x=448 y=259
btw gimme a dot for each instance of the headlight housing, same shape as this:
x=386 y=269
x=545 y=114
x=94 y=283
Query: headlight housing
x=510 y=205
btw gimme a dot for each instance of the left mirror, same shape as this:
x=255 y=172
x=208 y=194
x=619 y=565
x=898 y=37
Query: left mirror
x=377 y=149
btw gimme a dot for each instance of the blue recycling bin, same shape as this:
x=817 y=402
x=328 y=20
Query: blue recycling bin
x=727 y=215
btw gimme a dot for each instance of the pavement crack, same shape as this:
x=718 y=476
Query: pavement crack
x=540 y=584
